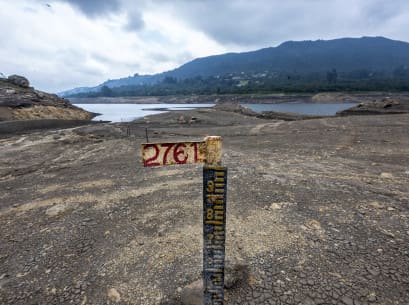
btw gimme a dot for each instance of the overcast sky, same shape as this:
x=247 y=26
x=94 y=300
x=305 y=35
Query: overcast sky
x=62 y=44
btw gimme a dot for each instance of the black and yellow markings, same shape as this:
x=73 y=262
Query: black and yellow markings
x=214 y=233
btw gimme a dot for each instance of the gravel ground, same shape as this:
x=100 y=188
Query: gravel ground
x=318 y=209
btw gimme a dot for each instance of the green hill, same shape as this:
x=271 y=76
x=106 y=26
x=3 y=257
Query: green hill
x=373 y=59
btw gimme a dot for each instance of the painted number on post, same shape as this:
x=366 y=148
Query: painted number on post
x=160 y=154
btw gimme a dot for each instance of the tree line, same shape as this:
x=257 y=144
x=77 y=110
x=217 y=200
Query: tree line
x=359 y=80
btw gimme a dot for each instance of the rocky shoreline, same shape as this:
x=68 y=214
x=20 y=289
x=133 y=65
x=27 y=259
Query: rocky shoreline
x=19 y=101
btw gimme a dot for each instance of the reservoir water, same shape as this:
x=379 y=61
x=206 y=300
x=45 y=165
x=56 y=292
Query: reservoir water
x=130 y=112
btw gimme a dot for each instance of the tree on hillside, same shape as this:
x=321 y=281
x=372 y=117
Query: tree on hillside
x=170 y=80
x=106 y=91
x=332 y=76
x=401 y=72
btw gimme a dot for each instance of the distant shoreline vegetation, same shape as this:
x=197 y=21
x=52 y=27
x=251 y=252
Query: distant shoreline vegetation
x=263 y=83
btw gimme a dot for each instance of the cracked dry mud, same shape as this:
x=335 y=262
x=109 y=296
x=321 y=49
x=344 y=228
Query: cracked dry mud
x=318 y=209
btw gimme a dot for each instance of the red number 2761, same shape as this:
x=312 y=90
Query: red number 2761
x=171 y=153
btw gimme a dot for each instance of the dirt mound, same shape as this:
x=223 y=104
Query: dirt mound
x=378 y=106
x=235 y=107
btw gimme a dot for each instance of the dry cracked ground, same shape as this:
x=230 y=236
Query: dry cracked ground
x=318 y=209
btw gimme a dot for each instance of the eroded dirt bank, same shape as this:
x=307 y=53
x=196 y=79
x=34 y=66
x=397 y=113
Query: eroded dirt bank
x=19 y=101
x=318 y=208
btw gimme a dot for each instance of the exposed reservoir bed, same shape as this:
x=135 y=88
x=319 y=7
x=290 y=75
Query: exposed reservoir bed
x=322 y=199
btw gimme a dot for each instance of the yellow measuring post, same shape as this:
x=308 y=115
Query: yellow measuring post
x=209 y=152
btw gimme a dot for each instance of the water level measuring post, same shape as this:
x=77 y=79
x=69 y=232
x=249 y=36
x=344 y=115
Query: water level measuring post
x=209 y=152
x=214 y=233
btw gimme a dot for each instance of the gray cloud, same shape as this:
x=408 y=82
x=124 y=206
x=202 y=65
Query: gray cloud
x=94 y=8
x=378 y=11
x=242 y=22
x=257 y=23
x=264 y=22
x=160 y=57
x=100 y=8
x=135 y=21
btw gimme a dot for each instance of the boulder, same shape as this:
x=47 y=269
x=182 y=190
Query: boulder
x=234 y=272
x=114 y=295
x=18 y=80
x=192 y=294
x=60 y=209
x=182 y=120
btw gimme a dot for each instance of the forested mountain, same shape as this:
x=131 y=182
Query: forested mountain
x=344 y=55
x=344 y=58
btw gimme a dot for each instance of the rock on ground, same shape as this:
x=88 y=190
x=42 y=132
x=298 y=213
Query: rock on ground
x=113 y=295
x=234 y=272
x=59 y=209
x=192 y=294
x=19 y=80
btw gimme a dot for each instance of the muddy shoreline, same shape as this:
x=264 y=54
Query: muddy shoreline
x=318 y=209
